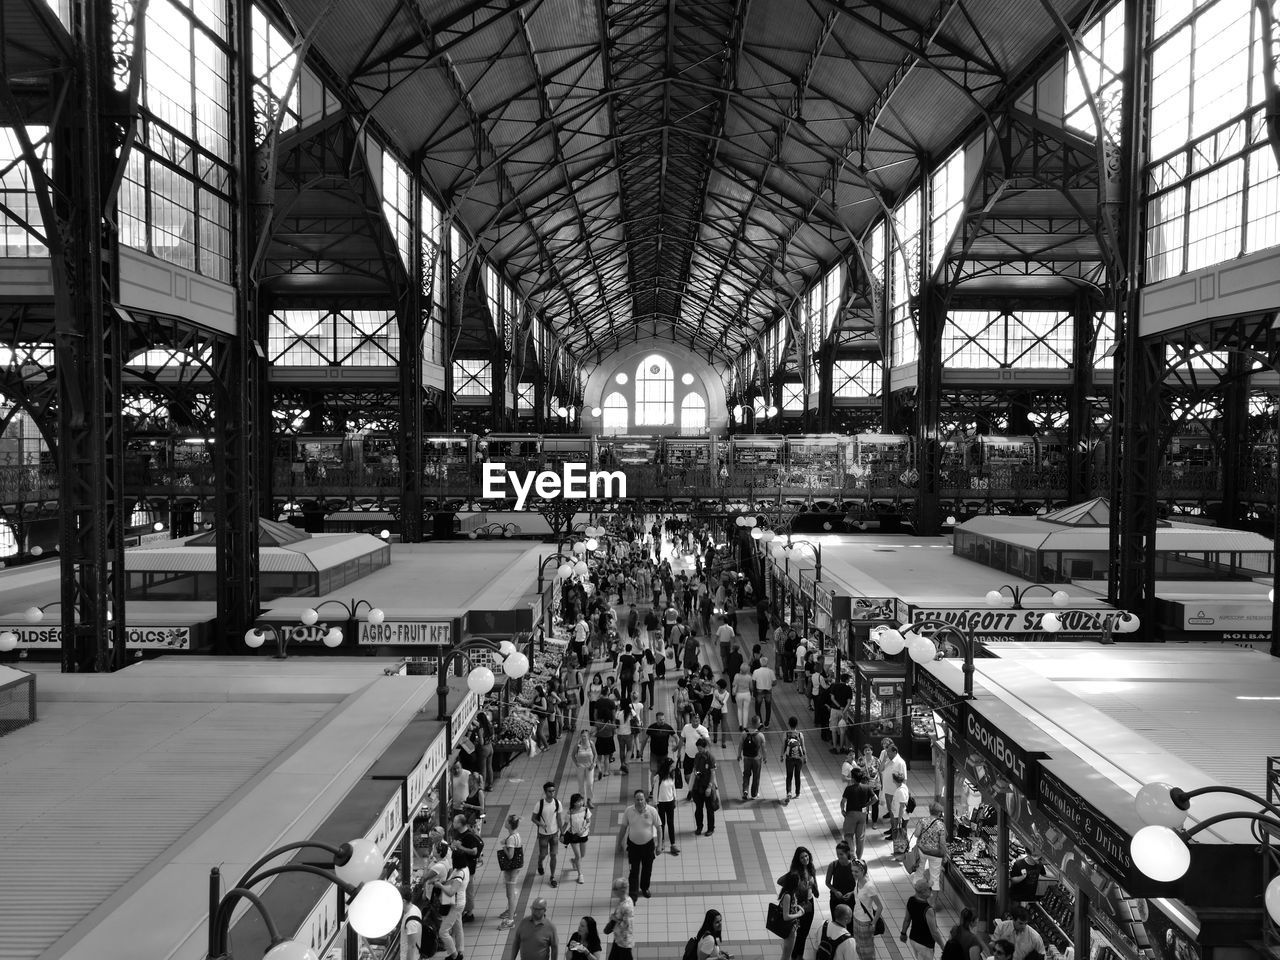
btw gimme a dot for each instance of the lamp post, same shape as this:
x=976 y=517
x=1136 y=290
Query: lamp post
x=996 y=597
x=563 y=572
x=481 y=679
x=374 y=910
x=923 y=648
x=256 y=636
x=1160 y=848
x=817 y=554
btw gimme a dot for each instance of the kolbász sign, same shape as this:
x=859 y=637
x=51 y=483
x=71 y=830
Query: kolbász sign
x=985 y=620
x=136 y=638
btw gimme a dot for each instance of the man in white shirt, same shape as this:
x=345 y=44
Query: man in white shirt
x=640 y=828
x=839 y=930
x=1022 y=935
x=762 y=680
x=549 y=817
x=891 y=762
x=691 y=733
x=724 y=637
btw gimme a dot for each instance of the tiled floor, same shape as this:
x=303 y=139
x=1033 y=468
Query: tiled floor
x=732 y=871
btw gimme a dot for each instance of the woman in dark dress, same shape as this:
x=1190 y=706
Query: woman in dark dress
x=799 y=889
x=841 y=885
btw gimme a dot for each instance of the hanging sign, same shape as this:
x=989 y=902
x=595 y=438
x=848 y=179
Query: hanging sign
x=1106 y=842
x=934 y=694
x=1014 y=763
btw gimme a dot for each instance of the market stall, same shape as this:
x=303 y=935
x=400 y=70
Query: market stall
x=1032 y=823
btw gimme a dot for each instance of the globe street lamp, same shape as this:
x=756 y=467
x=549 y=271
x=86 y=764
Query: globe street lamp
x=256 y=636
x=817 y=554
x=1160 y=848
x=373 y=911
x=923 y=648
x=563 y=572
x=996 y=597
x=481 y=679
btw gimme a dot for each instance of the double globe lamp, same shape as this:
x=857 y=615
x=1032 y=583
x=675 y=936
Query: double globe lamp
x=514 y=664
x=255 y=637
x=1160 y=848
x=373 y=912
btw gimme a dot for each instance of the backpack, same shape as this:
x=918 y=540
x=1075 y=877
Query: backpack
x=794 y=748
x=827 y=947
x=690 y=950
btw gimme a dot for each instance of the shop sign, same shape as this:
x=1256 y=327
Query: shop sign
x=427 y=770
x=462 y=716
x=934 y=694
x=1013 y=762
x=415 y=633
x=387 y=826
x=136 y=638
x=901 y=610
x=1107 y=843
x=871 y=608
x=807 y=583
x=1238 y=616
x=321 y=924
x=985 y=620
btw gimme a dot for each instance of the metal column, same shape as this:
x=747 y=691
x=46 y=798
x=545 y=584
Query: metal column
x=413 y=312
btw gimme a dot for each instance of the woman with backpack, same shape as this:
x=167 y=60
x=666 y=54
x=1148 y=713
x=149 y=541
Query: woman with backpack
x=799 y=891
x=705 y=944
x=793 y=756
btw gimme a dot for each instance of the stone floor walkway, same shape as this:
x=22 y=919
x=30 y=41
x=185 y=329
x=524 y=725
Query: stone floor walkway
x=732 y=871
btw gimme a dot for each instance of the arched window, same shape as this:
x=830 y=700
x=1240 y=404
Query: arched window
x=615 y=413
x=693 y=415
x=8 y=542
x=655 y=392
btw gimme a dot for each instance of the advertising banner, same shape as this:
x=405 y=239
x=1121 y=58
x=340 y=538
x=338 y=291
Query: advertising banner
x=136 y=638
x=1105 y=842
x=1222 y=616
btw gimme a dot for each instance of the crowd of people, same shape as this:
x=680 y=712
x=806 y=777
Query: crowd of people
x=635 y=621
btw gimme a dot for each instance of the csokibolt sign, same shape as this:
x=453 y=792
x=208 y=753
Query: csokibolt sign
x=573 y=482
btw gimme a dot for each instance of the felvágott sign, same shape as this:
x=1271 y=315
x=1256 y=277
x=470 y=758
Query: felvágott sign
x=574 y=482
x=983 y=620
x=426 y=633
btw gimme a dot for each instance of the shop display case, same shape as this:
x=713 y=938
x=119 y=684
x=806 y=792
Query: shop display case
x=971 y=867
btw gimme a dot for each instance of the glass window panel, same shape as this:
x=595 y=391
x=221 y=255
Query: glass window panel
x=616 y=413
x=856 y=378
x=693 y=414
x=1214 y=216
x=1043 y=339
x=793 y=397
x=17 y=193
x=397 y=204
x=1171 y=93
x=973 y=339
x=1264 y=201
x=903 y=345
x=472 y=378
x=1166 y=234
x=1220 y=89
x=946 y=193
x=655 y=392
x=906 y=253
x=1105 y=339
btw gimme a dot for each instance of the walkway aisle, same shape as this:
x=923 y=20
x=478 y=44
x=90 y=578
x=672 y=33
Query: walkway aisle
x=732 y=871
